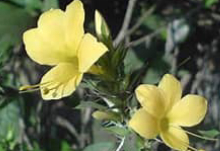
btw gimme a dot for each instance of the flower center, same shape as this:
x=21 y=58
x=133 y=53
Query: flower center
x=164 y=124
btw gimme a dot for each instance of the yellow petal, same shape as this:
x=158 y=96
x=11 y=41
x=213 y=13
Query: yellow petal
x=51 y=30
x=152 y=99
x=189 y=111
x=175 y=138
x=144 y=124
x=41 y=51
x=60 y=81
x=74 y=20
x=172 y=89
x=89 y=52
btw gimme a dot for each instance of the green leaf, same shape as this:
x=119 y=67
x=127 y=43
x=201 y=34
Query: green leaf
x=154 y=22
x=133 y=143
x=117 y=130
x=86 y=104
x=2 y=148
x=65 y=146
x=103 y=146
x=132 y=62
x=9 y=121
x=210 y=133
x=33 y=4
x=48 y=4
x=155 y=71
x=209 y=3
x=5 y=52
x=13 y=24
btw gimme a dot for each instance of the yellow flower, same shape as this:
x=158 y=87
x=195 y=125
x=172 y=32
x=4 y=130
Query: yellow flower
x=60 y=41
x=163 y=112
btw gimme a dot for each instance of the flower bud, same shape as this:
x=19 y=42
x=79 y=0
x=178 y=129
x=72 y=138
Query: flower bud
x=105 y=115
x=101 y=26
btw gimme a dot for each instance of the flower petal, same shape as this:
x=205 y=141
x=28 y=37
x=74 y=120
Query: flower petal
x=189 y=111
x=89 y=52
x=51 y=28
x=60 y=81
x=152 y=99
x=46 y=44
x=172 y=89
x=74 y=20
x=144 y=124
x=175 y=138
x=41 y=51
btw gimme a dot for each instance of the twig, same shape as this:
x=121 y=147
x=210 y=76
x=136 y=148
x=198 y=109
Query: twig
x=85 y=118
x=66 y=124
x=145 y=38
x=141 y=20
x=121 y=144
x=24 y=135
x=126 y=22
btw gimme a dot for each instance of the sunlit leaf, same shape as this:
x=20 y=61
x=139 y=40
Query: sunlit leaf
x=65 y=146
x=209 y=3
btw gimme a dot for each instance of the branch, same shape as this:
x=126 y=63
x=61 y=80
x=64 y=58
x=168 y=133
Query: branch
x=145 y=38
x=66 y=124
x=24 y=136
x=141 y=20
x=126 y=22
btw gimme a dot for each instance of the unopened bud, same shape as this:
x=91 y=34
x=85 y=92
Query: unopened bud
x=105 y=115
x=101 y=26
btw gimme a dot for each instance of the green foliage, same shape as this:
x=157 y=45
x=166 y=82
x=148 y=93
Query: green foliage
x=9 y=124
x=48 y=4
x=103 y=146
x=209 y=3
x=121 y=131
x=210 y=133
x=65 y=147
x=13 y=24
x=133 y=142
x=29 y=4
x=4 y=51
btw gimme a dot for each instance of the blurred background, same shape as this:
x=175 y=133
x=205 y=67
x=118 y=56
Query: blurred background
x=179 y=37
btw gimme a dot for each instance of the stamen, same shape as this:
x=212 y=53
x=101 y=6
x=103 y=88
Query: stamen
x=46 y=87
x=45 y=91
x=29 y=88
x=27 y=91
x=55 y=88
